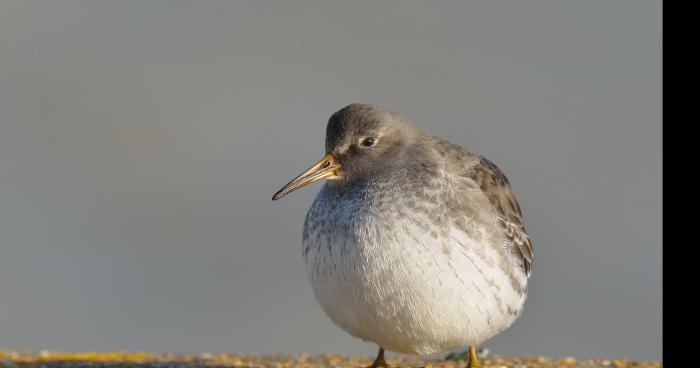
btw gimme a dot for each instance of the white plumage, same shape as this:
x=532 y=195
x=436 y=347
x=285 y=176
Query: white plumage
x=398 y=286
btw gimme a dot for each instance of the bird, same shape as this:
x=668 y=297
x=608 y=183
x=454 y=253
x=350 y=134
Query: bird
x=413 y=243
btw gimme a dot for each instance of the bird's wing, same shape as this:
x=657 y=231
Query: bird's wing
x=496 y=187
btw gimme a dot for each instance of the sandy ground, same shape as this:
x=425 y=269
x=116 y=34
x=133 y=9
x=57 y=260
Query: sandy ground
x=46 y=359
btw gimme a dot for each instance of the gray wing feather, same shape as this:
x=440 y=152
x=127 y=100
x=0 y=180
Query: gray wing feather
x=496 y=187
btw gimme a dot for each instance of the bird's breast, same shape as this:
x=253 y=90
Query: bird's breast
x=387 y=270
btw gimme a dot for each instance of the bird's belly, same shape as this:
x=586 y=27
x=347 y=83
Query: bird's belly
x=416 y=294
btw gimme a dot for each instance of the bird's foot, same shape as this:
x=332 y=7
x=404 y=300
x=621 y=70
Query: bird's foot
x=473 y=361
x=379 y=362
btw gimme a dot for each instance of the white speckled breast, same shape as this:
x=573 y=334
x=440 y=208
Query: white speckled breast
x=405 y=272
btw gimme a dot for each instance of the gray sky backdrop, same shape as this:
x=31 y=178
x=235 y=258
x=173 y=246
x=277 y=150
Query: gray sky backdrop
x=140 y=142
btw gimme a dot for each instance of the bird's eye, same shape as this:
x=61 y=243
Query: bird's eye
x=368 y=142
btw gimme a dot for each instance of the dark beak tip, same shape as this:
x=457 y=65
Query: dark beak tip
x=320 y=170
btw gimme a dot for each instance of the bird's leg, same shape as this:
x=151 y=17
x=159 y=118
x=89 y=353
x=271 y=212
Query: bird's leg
x=379 y=362
x=473 y=362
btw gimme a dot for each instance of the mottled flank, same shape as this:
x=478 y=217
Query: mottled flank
x=496 y=187
x=47 y=359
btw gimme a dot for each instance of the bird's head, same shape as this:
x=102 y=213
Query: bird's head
x=361 y=140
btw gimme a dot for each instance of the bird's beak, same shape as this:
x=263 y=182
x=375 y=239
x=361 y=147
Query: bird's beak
x=326 y=168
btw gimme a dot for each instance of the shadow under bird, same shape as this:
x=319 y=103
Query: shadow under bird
x=413 y=243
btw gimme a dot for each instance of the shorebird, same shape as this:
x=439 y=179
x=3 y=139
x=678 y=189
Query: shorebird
x=413 y=243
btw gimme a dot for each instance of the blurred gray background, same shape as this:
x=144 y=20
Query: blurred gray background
x=140 y=143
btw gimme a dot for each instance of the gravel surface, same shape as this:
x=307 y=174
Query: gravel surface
x=51 y=359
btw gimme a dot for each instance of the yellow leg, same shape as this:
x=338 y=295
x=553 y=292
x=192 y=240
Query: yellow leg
x=473 y=362
x=379 y=362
